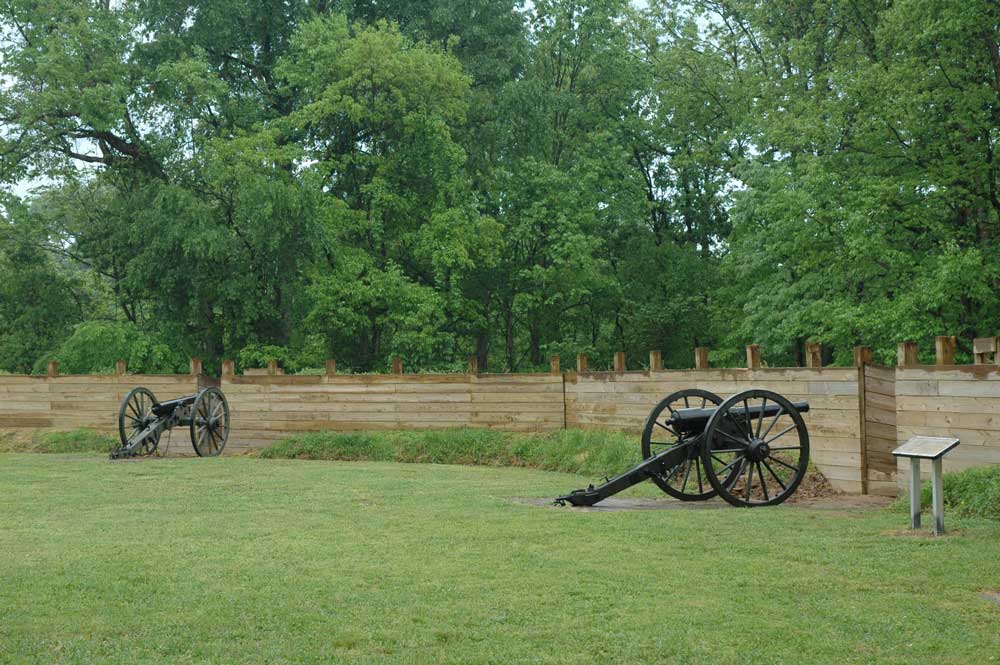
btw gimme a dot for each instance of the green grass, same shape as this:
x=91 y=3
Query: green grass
x=586 y=452
x=80 y=440
x=973 y=492
x=245 y=560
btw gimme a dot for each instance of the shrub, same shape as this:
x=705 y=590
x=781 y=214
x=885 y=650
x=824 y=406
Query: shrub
x=592 y=453
x=80 y=440
x=972 y=493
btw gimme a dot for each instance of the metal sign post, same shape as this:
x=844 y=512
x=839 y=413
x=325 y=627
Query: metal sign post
x=933 y=448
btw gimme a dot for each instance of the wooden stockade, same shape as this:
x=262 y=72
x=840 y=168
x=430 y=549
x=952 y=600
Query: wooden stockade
x=67 y=402
x=858 y=414
x=266 y=408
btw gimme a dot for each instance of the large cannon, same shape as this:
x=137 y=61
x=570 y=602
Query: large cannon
x=142 y=420
x=751 y=449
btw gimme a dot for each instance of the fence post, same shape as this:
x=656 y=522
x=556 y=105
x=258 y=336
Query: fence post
x=944 y=349
x=619 y=361
x=120 y=367
x=331 y=366
x=397 y=365
x=862 y=356
x=906 y=354
x=581 y=362
x=473 y=365
x=814 y=354
x=53 y=368
x=701 y=357
x=228 y=368
x=554 y=364
x=984 y=350
x=753 y=356
x=655 y=361
x=272 y=367
x=195 y=367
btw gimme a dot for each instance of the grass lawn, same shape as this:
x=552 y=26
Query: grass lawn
x=245 y=560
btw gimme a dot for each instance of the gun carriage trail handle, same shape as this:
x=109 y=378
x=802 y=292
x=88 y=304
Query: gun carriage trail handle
x=751 y=449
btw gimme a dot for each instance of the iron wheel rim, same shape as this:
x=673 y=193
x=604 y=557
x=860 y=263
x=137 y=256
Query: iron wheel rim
x=209 y=423
x=134 y=415
x=769 y=464
x=685 y=481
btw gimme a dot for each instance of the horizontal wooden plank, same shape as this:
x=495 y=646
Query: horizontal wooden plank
x=916 y=388
x=968 y=437
x=949 y=404
x=980 y=373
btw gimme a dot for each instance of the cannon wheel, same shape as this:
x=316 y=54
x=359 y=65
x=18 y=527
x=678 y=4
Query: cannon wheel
x=209 y=422
x=686 y=481
x=134 y=414
x=770 y=453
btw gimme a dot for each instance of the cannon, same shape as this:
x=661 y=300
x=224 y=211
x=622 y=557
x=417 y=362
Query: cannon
x=751 y=449
x=142 y=420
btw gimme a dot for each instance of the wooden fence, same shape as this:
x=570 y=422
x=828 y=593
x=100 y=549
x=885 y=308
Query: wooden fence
x=266 y=408
x=69 y=402
x=858 y=414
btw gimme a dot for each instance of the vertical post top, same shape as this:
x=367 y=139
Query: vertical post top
x=862 y=356
x=619 y=361
x=906 y=354
x=581 y=362
x=944 y=348
x=397 y=365
x=473 y=364
x=814 y=354
x=331 y=366
x=195 y=366
x=701 y=357
x=753 y=356
x=272 y=367
x=228 y=368
x=53 y=368
x=554 y=364
x=655 y=361
x=120 y=367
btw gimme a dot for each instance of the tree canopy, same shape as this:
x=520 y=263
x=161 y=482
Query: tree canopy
x=435 y=180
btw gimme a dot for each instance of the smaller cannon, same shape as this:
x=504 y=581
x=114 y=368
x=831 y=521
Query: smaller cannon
x=142 y=420
x=696 y=446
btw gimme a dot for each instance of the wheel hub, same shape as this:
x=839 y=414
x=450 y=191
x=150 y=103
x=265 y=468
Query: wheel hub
x=758 y=450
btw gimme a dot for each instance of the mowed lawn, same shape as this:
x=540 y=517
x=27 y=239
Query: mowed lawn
x=243 y=560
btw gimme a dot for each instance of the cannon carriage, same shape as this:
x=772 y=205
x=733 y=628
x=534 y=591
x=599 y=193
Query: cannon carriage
x=751 y=449
x=142 y=420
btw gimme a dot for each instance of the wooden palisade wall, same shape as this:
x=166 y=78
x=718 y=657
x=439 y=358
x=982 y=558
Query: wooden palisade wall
x=266 y=408
x=858 y=414
x=71 y=401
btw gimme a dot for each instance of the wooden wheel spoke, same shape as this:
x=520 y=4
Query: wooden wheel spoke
x=782 y=433
x=774 y=475
x=732 y=438
x=760 y=420
x=687 y=473
x=782 y=463
x=781 y=412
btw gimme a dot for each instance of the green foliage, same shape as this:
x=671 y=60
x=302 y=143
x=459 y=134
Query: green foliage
x=438 y=179
x=971 y=493
x=95 y=346
x=583 y=452
x=44 y=441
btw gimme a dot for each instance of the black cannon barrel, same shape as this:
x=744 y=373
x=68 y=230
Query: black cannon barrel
x=167 y=407
x=695 y=420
